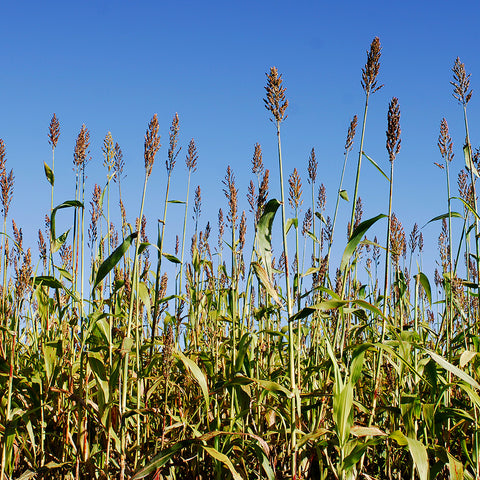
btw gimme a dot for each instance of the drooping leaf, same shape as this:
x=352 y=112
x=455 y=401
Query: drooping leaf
x=161 y=459
x=224 y=459
x=113 y=259
x=291 y=222
x=453 y=369
x=426 y=286
x=264 y=279
x=455 y=467
x=420 y=457
x=356 y=237
x=376 y=166
x=197 y=373
x=467 y=154
x=67 y=204
x=264 y=234
x=445 y=215
x=465 y=357
x=360 y=431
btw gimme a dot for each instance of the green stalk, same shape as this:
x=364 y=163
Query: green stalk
x=359 y=164
x=160 y=238
x=133 y=305
x=291 y=338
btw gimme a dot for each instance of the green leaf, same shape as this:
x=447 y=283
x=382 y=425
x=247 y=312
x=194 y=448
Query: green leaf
x=176 y=201
x=344 y=195
x=399 y=437
x=224 y=459
x=264 y=234
x=426 y=286
x=355 y=239
x=264 y=279
x=113 y=259
x=455 y=467
x=49 y=174
x=67 y=204
x=465 y=357
x=52 y=351
x=376 y=166
x=290 y=222
x=445 y=215
x=360 y=431
x=144 y=295
x=48 y=281
x=197 y=373
x=471 y=209
x=453 y=369
x=420 y=457
x=97 y=365
x=467 y=154
x=171 y=258
x=161 y=459
x=243 y=346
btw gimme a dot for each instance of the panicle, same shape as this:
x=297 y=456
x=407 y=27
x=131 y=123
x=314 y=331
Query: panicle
x=81 y=148
x=295 y=190
x=307 y=222
x=413 y=241
x=242 y=230
x=257 y=161
x=393 y=130
x=221 y=228
x=445 y=142
x=461 y=83
x=192 y=156
x=312 y=167
x=119 y=163
x=351 y=134
x=172 y=153
x=231 y=193
x=276 y=103
x=372 y=67
x=152 y=144
x=54 y=131
x=197 y=207
x=108 y=150
x=262 y=195
x=322 y=197
x=397 y=240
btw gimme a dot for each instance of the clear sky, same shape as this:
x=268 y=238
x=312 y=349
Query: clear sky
x=113 y=64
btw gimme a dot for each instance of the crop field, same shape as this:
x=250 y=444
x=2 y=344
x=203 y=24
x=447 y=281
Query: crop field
x=236 y=356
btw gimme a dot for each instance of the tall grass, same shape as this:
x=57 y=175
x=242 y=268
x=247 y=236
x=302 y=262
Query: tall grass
x=244 y=362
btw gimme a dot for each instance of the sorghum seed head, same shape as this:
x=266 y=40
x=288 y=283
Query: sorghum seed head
x=393 y=130
x=445 y=142
x=461 y=83
x=372 y=67
x=81 y=147
x=192 y=156
x=275 y=101
x=257 y=161
x=54 y=131
x=151 y=145
x=172 y=154
x=312 y=167
x=351 y=134
x=295 y=190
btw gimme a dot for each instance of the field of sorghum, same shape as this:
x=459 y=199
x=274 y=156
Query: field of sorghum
x=240 y=364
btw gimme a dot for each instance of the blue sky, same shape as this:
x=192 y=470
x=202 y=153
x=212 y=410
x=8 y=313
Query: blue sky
x=112 y=65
